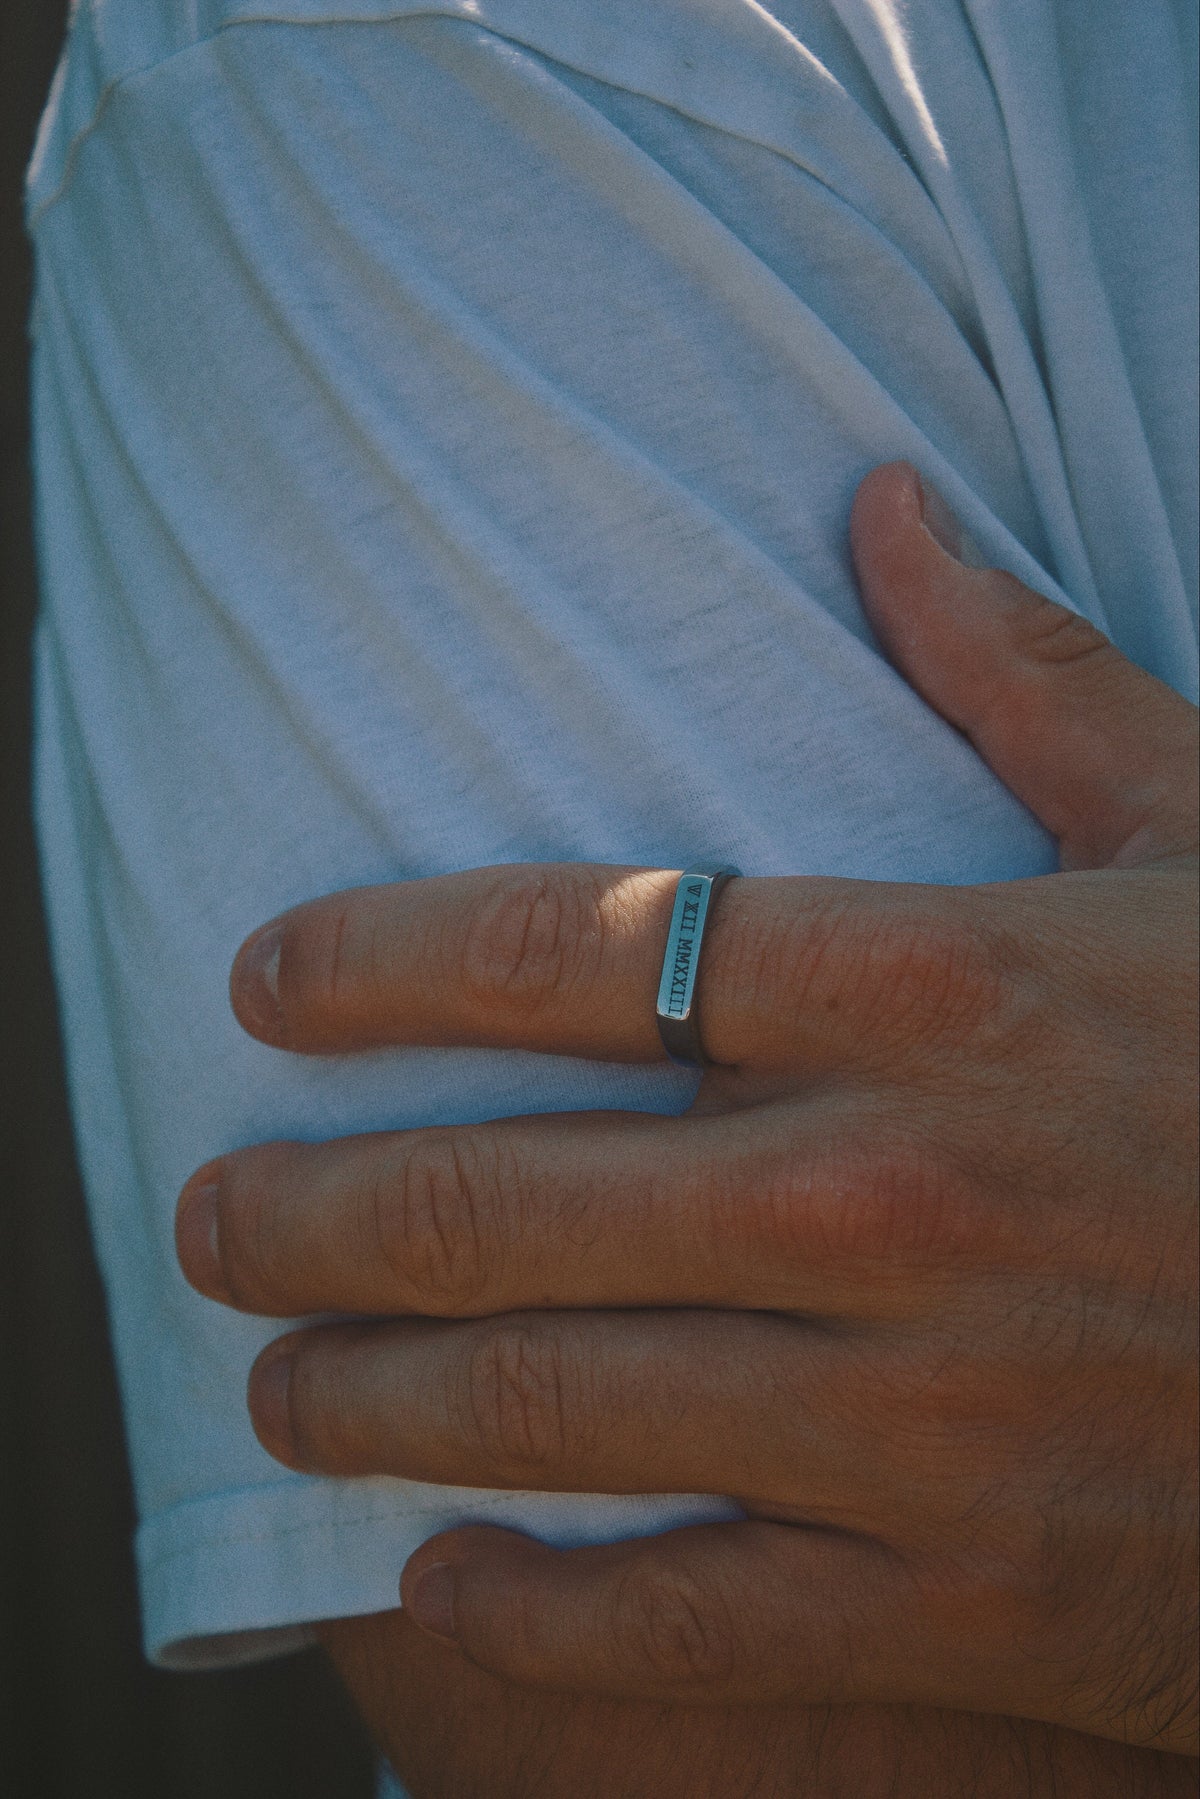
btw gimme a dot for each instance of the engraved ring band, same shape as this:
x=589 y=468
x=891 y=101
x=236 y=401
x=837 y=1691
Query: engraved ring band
x=678 y=1022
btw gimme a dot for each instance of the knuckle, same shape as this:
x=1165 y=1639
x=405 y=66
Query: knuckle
x=424 y=1220
x=938 y=1403
x=518 y=1401
x=906 y=1201
x=919 y=1202
x=529 y=941
x=1051 y=635
x=938 y=977
x=674 y=1631
x=946 y=1430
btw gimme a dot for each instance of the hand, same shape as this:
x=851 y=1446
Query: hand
x=455 y=1732
x=915 y=1280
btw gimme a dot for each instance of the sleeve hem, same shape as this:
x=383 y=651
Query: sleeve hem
x=241 y=1576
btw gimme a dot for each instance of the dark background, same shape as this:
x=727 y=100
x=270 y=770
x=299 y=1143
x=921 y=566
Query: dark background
x=81 y=1715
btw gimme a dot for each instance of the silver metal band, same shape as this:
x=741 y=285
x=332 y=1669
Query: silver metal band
x=678 y=1024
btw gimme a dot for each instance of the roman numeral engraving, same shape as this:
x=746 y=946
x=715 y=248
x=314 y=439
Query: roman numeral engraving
x=676 y=1014
x=690 y=904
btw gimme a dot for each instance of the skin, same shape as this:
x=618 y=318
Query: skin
x=915 y=1279
x=456 y=1732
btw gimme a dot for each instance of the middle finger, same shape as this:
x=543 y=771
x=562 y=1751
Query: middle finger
x=814 y=1205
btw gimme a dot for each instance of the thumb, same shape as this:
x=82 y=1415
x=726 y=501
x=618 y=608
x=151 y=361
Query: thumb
x=746 y=1613
x=1100 y=751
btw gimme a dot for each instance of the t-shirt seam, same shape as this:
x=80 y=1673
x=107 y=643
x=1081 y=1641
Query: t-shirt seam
x=116 y=83
x=80 y=137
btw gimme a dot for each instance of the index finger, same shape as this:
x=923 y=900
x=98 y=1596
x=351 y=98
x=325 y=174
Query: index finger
x=566 y=958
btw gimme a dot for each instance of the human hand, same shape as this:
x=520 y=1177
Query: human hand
x=915 y=1279
x=453 y=1731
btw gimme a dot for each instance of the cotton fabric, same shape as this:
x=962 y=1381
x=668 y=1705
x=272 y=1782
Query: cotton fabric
x=447 y=417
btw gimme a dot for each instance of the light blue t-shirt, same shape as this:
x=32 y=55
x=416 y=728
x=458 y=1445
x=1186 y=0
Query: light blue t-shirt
x=447 y=416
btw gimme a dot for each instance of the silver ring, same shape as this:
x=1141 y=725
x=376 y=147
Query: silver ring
x=678 y=1023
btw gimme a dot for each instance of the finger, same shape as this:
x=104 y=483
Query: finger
x=716 y=1614
x=584 y=1402
x=1103 y=753
x=822 y=1206
x=566 y=958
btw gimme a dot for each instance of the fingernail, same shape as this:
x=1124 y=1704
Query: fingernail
x=256 y=983
x=939 y=521
x=431 y=1601
x=270 y=1386
x=197 y=1237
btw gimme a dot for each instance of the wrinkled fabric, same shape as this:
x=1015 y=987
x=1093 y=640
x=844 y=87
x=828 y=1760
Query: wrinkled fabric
x=446 y=419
